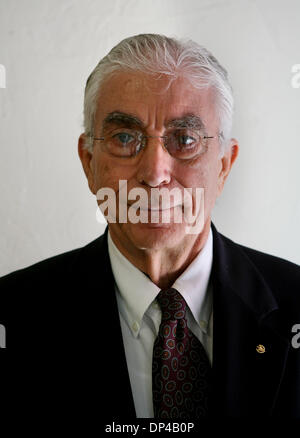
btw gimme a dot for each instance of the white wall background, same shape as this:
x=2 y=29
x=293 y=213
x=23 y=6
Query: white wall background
x=49 y=47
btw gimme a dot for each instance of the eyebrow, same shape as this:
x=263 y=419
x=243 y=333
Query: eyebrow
x=188 y=121
x=119 y=118
x=123 y=119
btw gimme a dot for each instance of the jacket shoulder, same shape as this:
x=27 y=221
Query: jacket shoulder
x=281 y=275
x=55 y=264
x=51 y=267
x=273 y=266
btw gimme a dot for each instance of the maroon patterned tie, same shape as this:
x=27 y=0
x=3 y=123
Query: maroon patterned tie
x=181 y=371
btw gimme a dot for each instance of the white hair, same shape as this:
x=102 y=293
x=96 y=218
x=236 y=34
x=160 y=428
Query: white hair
x=158 y=54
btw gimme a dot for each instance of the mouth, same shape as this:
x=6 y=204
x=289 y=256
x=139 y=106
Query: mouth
x=153 y=208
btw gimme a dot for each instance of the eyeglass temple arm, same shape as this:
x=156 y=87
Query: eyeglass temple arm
x=158 y=136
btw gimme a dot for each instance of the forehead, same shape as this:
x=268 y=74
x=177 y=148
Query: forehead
x=148 y=96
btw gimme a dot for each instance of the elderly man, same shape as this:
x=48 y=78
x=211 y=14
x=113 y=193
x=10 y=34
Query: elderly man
x=176 y=321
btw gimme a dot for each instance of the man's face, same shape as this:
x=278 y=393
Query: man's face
x=154 y=103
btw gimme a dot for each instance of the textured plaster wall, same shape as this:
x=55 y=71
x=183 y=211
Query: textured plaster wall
x=47 y=50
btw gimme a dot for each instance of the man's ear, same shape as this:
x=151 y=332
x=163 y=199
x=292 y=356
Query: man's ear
x=86 y=161
x=227 y=161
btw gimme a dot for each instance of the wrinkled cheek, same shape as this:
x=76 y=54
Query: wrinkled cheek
x=208 y=181
x=105 y=175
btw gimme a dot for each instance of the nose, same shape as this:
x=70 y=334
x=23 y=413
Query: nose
x=154 y=168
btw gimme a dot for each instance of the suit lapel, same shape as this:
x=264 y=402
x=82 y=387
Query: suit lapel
x=102 y=331
x=246 y=377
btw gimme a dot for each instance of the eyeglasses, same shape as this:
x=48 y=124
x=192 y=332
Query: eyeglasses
x=183 y=144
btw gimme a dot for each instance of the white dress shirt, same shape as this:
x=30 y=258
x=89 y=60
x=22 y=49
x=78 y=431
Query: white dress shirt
x=140 y=315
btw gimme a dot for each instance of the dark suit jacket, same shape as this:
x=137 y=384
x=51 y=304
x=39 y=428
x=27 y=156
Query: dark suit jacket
x=64 y=338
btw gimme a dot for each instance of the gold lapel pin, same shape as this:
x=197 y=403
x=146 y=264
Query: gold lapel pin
x=260 y=348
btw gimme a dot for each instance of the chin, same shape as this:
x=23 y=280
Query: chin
x=155 y=236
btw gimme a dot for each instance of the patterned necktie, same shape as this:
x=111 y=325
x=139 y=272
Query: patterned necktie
x=181 y=371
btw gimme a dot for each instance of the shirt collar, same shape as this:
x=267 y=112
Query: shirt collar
x=137 y=291
x=193 y=284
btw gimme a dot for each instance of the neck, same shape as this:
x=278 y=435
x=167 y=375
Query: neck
x=164 y=265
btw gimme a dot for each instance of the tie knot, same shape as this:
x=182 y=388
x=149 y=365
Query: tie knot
x=172 y=304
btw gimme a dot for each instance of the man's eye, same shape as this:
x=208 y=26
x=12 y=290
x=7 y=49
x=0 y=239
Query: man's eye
x=186 y=140
x=123 y=137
